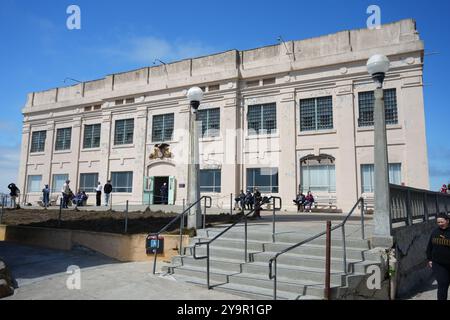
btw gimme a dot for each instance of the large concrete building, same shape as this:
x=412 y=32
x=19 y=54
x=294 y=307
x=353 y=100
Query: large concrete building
x=298 y=114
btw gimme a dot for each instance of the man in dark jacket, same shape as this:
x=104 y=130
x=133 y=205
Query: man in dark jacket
x=438 y=255
x=107 y=189
x=14 y=193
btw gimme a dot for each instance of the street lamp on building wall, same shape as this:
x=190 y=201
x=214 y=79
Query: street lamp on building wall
x=195 y=96
x=378 y=66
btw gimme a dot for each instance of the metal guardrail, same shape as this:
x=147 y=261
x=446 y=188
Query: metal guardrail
x=245 y=218
x=180 y=217
x=273 y=260
x=409 y=204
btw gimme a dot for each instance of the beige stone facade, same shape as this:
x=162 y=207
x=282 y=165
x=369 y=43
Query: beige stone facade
x=285 y=75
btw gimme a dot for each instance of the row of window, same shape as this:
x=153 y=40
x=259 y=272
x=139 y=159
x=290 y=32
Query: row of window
x=315 y=178
x=121 y=181
x=315 y=114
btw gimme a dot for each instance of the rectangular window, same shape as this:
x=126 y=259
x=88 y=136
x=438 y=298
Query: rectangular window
x=163 y=127
x=366 y=101
x=58 y=182
x=210 y=119
x=38 y=141
x=124 y=132
x=118 y=102
x=122 y=182
x=63 y=138
x=262 y=119
x=253 y=83
x=214 y=87
x=210 y=181
x=91 y=136
x=265 y=179
x=34 y=184
x=268 y=81
x=88 y=182
x=129 y=100
x=316 y=114
x=319 y=178
x=367 y=176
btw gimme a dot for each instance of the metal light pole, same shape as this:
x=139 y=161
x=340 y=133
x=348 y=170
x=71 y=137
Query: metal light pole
x=195 y=96
x=377 y=67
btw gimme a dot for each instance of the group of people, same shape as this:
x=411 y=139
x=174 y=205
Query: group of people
x=304 y=202
x=251 y=201
x=445 y=188
x=79 y=199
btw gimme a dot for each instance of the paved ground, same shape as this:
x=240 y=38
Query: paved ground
x=41 y=274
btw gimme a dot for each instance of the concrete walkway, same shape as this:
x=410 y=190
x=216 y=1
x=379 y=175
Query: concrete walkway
x=41 y=274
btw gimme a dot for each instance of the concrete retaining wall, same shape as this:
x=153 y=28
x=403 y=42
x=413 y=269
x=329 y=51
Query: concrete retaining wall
x=124 y=248
x=412 y=270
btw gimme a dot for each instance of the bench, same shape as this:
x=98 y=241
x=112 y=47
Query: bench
x=328 y=202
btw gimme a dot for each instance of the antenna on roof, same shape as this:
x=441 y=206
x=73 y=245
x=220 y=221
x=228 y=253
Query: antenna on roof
x=154 y=62
x=65 y=80
x=280 y=39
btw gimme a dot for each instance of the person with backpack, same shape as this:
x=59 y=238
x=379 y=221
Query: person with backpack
x=14 y=193
x=438 y=255
x=107 y=189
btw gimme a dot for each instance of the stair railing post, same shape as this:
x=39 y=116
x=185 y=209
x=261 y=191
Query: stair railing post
x=126 y=218
x=273 y=221
x=362 y=219
x=207 y=267
x=409 y=217
x=344 y=250
x=156 y=254
x=328 y=262
x=275 y=280
x=231 y=204
x=180 y=252
x=204 y=216
x=425 y=207
x=245 y=239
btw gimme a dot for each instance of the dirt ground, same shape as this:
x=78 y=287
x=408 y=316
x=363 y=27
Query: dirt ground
x=112 y=222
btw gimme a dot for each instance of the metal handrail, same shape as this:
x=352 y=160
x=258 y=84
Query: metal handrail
x=273 y=260
x=208 y=243
x=180 y=216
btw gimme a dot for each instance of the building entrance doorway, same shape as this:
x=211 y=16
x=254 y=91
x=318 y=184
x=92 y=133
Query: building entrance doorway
x=155 y=194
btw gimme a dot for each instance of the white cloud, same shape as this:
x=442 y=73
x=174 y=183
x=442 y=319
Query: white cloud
x=145 y=50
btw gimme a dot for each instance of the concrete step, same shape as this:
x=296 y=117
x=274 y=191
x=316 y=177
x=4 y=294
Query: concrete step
x=233 y=243
x=221 y=250
x=249 y=292
x=311 y=261
x=230 y=265
x=287 y=237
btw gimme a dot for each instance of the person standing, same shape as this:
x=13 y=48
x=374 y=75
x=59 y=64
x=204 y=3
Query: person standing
x=66 y=194
x=444 y=188
x=438 y=255
x=258 y=203
x=46 y=195
x=99 y=194
x=163 y=192
x=107 y=189
x=14 y=193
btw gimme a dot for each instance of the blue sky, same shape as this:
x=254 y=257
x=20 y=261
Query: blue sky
x=39 y=52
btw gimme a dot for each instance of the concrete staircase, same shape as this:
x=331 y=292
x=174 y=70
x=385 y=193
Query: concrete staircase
x=301 y=272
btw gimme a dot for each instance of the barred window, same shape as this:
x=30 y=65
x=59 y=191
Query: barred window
x=88 y=182
x=262 y=119
x=38 y=141
x=124 y=132
x=91 y=136
x=210 y=180
x=122 y=182
x=163 y=127
x=316 y=114
x=34 y=184
x=265 y=179
x=366 y=102
x=58 y=182
x=63 y=138
x=210 y=119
